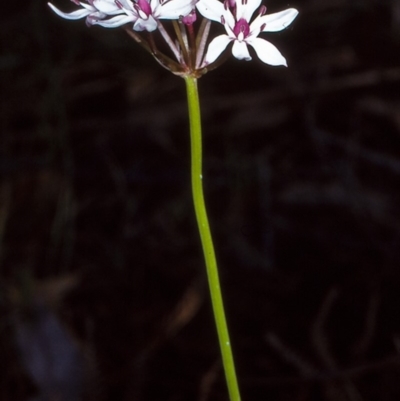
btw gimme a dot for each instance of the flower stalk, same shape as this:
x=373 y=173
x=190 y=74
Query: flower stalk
x=206 y=238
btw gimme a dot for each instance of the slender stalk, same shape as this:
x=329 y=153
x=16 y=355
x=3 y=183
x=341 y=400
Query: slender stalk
x=206 y=240
x=169 y=41
x=201 y=40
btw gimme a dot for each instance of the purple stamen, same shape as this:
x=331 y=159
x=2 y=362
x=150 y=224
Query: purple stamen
x=119 y=4
x=190 y=18
x=262 y=10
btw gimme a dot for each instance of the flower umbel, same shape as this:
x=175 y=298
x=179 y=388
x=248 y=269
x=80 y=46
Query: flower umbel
x=235 y=15
x=188 y=48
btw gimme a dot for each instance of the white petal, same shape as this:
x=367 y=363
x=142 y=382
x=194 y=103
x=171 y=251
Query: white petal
x=216 y=47
x=115 y=21
x=267 y=52
x=127 y=5
x=173 y=9
x=154 y=4
x=275 y=22
x=211 y=9
x=74 y=15
x=230 y=23
x=245 y=9
x=87 y=6
x=149 y=24
x=240 y=51
x=108 y=7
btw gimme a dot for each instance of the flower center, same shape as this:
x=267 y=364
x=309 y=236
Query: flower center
x=143 y=8
x=241 y=29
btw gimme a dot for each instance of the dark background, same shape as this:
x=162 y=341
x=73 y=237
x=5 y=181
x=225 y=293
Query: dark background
x=101 y=268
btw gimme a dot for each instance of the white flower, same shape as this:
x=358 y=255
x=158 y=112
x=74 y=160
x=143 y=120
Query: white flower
x=94 y=11
x=236 y=16
x=128 y=8
x=144 y=14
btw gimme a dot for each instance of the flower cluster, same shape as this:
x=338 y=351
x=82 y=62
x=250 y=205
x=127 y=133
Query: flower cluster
x=235 y=15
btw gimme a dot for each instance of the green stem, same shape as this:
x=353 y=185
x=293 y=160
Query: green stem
x=206 y=240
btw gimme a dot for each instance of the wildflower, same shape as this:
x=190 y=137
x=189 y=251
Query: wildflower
x=94 y=11
x=144 y=14
x=147 y=12
x=235 y=15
